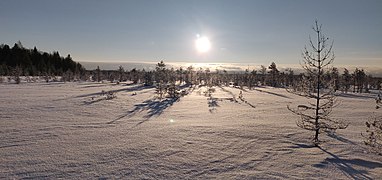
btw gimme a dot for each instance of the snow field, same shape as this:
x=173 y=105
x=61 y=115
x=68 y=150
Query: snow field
x=71 y=130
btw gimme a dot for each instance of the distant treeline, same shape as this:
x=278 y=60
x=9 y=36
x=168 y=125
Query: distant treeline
x=32 y=62
x=356 y=81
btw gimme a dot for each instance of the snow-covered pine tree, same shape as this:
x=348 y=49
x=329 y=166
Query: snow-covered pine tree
x=121 y=73
x=172 y=90
x=273 y=75
x=346 y=81
x=161 y=79
x=148 y=77
x=315 y=115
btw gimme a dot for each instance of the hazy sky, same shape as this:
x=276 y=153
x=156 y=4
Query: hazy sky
x=240 y=31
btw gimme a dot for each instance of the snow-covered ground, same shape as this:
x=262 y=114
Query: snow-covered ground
x=70 y=130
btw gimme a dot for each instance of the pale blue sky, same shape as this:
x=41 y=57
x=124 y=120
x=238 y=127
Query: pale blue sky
x=240 y=31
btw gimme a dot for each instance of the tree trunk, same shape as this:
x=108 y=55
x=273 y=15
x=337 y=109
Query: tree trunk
x=318 y=88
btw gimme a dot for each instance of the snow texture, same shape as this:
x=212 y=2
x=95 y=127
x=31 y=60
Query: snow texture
x=73 y=130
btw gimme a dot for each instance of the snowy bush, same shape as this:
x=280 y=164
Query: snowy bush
x=110 y=95
x=161 y=89
x=17 y=74
x=173 y=90
x=373 y=136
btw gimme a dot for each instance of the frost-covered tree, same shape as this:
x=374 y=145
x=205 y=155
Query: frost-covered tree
x=189 y=77
x=121 y=73
x=67 y=76
x=172 y=90
x=161 y=79
x=134 y=75
x=346 y=81
x=334 y=76
x=252 y=79
x=97 y=75
x=180 y=75
x=315 y=115
x=289 y=77
x=16 y=74
x=263 y=72
x=359 y=78
x=273 y=74
x=373 y=136
x=148 y=77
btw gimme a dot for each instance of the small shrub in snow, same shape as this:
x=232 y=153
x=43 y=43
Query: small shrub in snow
x=172 y=90
x=110 y=95
x=373 y=136
x=378 y=101
x=161 y=89
x=16 y=74
x=47 y=77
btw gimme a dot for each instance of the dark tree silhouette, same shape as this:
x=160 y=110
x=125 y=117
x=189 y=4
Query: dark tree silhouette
x=345 y=81
x=35 y=63
x=359 y=78
x=97 y=75
x=148 y=78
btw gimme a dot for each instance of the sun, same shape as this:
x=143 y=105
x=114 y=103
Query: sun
x=202 y=44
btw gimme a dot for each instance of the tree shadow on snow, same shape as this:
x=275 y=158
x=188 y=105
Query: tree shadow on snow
x=228 y=91
x=272 y=93
x=154 y=107
x=305 y=146
x=339 y=138
x=240 y=98
x=157 y=107
x=357 y=96
x=127 y=89
x=346 y=165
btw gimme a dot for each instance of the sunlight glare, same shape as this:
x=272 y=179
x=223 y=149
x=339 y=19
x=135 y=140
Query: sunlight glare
x=202 y=44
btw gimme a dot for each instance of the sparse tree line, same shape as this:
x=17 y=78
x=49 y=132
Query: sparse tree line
x=19 y=61
x=357 y=81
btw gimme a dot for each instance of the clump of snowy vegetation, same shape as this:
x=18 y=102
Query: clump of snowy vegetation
x=373 y=136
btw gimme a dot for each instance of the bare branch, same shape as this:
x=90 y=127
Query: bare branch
x=316 y=116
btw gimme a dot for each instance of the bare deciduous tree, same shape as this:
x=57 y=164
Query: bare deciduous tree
x=315 y=116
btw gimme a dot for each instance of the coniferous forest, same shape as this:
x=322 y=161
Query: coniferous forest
x=32 y=62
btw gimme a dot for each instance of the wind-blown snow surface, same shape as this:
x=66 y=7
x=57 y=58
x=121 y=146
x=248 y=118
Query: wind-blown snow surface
x=68 y=130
